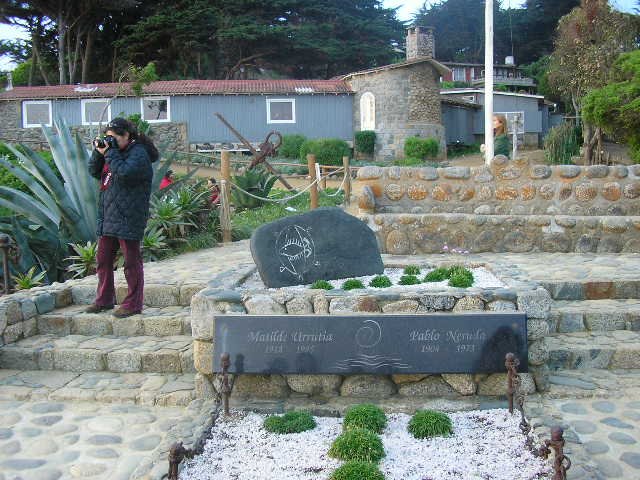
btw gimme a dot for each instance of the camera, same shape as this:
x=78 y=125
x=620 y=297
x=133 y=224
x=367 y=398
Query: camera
x=105 y=141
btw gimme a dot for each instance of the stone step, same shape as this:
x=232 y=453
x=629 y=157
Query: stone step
x=90 y=353
x=166 y=294
x=153 y=321
x=594 y=315
x=594 y=383
x=169 y=389
x=592 y=289
x=617 y=349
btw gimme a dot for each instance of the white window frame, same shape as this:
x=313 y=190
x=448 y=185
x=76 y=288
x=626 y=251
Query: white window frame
x=168 y=99
x=365 y=100
x=84 y=101
x=292 y=101
x=24 y=113
x=459 y=72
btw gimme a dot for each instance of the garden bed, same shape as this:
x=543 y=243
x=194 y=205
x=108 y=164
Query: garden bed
x=483 y=278
x=485 y=445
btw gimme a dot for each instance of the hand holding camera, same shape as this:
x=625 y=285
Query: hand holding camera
x=105 y=142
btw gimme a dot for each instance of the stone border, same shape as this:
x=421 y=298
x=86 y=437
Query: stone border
x=223 y=296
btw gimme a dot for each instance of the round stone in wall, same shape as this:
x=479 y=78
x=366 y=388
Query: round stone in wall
x=394 y=192
x=442 y=193
x=394 y=173
x=427 y=242
x=632 y=190
x=585 y=192
x=485 y=241
x=609 y=245
x=539 y=172
x=556 y=242
x=547 y=191
x=397 y=243
x=417 y=191
x=632 y=246
x=611 y=191
x=528 y=191
x=506 y=193
x=565 y=192
x=517 y=242
x=466 y=193
x=485 y=193
x=587 y=244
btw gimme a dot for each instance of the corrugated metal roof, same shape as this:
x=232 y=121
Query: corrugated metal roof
x=182 y=87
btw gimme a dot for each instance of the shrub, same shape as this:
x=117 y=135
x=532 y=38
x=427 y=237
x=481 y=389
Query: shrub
x=321 y=284
x=357 y=444
x=409 y=162
x=412 y=270
x=437 y=275
x=460 y=149
x=352 y=284
x=421 y=147
x=291 y=144
x=328 y=151
x=380 y=281
x=561 y=143
x=429 y=423
x=367 y=416
x=409 y=280
x=460 y=277
x=30 y=279
x=365 y=141
x=355 y=470
x=290 y=422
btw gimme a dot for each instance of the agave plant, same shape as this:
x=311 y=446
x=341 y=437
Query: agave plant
x=30 y=279
x=153 y=244
x=167 y=216
x=256 y=182
x=190 y=200
x=84 y=262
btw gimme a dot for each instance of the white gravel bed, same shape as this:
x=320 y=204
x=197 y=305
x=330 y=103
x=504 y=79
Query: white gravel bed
x=485 y=445
x=482 y=278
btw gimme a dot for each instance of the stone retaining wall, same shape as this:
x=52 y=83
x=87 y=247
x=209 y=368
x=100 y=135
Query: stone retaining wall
x=223 y=297
x=19 y=311
x=507 y=207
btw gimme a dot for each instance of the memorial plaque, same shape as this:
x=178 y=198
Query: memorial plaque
x=380 y=344
x=324 y=244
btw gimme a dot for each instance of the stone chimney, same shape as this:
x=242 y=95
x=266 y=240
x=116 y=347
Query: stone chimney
x=420 y=42
x=9 y=81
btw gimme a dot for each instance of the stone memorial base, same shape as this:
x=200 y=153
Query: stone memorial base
x=225 y=296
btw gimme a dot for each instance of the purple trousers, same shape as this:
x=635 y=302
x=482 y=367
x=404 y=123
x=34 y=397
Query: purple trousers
x=107 y=250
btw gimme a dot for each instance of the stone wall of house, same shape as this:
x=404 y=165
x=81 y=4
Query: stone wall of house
x=222 y=297
x=407 y=103
x=172 y=134
x=507 y=207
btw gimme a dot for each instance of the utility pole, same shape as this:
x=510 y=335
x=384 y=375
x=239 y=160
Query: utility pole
x=488 y=81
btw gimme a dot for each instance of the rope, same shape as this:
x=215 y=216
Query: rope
x=286 y=199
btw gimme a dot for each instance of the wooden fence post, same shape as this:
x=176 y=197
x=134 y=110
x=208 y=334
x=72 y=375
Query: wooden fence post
x=311 y=163
x=347 y=180
x=225 y=195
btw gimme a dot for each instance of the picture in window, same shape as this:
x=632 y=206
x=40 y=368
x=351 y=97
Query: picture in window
x=155 y=109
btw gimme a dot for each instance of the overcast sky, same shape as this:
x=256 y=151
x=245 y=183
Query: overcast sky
x=405 y=12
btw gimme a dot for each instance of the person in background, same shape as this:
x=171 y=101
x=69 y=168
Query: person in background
x=212 y=185
x=167 y=179
x=501 y=142
x=121 y=160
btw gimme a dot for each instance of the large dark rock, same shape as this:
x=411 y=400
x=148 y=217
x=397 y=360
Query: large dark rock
x=324 y=244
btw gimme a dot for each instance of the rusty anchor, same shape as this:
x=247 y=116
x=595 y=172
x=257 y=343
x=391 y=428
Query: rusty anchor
x=267 y=148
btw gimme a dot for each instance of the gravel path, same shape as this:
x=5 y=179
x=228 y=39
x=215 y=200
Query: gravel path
x=486 y=444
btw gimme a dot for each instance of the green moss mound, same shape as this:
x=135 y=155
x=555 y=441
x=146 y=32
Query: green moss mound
x=352 y=284
x=357 y=444
x=290 y=422
x=367 y=416
x=437 y=275
x=321 y=285
x=460 y=277
x=409 y=280
x=380 y=281
x=355 y=470
x=429 y=423
x=411 y=270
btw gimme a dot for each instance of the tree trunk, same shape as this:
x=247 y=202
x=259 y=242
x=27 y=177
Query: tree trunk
x=62 y=27
x=113 y=64
x=32 y=67
x=73 y=62
x=587 y=135
x=34 y=46
x=87 y=55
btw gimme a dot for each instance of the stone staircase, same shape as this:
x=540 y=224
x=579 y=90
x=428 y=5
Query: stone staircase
x=145 y=359
x=594 y=339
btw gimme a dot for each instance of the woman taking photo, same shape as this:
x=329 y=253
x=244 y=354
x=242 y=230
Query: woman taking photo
x=122 y=162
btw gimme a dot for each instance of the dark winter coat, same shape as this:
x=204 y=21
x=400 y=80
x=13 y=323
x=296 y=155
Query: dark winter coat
x=123 y=205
